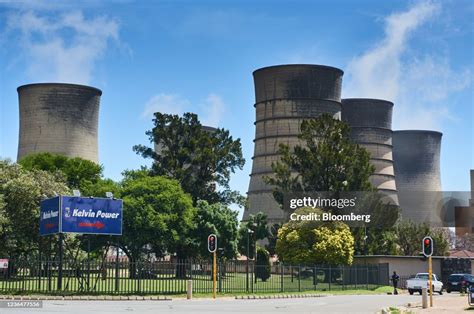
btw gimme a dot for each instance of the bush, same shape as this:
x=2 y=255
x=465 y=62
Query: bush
x=263 y=264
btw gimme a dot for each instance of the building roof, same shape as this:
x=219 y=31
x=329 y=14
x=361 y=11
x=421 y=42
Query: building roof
x=461 y=253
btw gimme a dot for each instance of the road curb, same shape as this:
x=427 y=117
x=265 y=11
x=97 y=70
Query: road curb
x=283 y=296
x=85 y=298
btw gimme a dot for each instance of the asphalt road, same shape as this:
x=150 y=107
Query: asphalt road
x=326 y=304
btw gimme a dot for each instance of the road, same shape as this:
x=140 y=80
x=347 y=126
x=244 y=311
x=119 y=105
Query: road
x=326 y=304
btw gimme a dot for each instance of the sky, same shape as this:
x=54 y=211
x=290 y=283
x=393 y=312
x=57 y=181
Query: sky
x=198 y=56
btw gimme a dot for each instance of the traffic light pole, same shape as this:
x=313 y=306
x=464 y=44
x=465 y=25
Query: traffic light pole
x=430 y=274
x=214 y=270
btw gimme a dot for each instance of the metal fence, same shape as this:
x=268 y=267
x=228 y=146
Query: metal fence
x=105 y=277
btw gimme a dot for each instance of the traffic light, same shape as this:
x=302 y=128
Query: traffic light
x=212 y=243
x=427 y=246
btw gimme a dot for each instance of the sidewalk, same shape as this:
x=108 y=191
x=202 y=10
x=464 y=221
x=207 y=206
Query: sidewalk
x=448 y=303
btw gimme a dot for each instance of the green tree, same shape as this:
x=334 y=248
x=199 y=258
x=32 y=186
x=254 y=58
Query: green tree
x=327 y=160
x=219 y=220
x=310 y=243
x=21 y=192
x=77 y=171
x=197 y=158
x=158 y=216
x=272 y=239
x=410 y=234
x=264 y=267
x=257 y=224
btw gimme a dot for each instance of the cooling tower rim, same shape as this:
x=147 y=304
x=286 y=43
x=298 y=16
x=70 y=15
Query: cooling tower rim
x=418 y=131
x=296 y=99
x=33 y=85
x=362 y=100
x=289 y=65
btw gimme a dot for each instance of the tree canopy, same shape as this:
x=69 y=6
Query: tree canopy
x=201 y=160
x=77 y=171
x=21 y=192
x=327 y=160
x=311 y=243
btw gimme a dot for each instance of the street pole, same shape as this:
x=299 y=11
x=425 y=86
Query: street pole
x=60 y=267
x=248 y=253
x=214 y=269
x=430 y=273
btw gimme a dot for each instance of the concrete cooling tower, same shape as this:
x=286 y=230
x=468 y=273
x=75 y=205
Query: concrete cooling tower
x=285 y=95
x=416 y=155
x=59 y=118
x=371 y=127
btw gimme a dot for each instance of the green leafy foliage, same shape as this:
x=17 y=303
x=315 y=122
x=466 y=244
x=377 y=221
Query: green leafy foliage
x=21 y=192
x=410 y=234
x=263 y=270
x=310 y=243
x=77 y=171
x=327 y=160
x=158 y=217
x=257 y=224
x=200 y=160
x=219 y=220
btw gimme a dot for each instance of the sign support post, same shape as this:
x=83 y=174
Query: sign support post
x=60 y=266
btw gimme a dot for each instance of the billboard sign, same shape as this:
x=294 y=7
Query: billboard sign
x=49 y=216
x=85 y=215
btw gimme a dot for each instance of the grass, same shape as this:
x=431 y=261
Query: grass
x=166 y=284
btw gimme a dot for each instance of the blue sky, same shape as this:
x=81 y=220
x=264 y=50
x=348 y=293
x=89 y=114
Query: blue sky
x=177 y=56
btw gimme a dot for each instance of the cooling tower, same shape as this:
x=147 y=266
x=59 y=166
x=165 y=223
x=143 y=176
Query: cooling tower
x=285 y=95
x=416 y=156
x=59 y=118
x=371 y=127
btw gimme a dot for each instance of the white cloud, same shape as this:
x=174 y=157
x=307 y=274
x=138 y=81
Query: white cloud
x=210 y=110
x=416 y=84
x=213 y=109
x=63 y=49
x=165 y=103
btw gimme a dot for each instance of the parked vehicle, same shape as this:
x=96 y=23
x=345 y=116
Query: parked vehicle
x=459 y=282
x=421 y=280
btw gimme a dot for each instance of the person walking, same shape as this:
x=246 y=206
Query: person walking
x=395 y=279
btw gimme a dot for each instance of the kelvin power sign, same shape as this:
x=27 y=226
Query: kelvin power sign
x=68 y=214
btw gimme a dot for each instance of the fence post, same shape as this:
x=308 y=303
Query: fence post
x=355 y=276
x=139 y=276
x=282 y=273
x=220 y=275
x=343 y=277
x=252 y=274
x=314 y=278
x=117 y=267
x=60 y=267
x=367 y=276
x=299 y=278
x=330 y=276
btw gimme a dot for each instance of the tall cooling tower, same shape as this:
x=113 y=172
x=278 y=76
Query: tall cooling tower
x=59 y=118
x=285 y=95
x=416 y=155
x=371 y=127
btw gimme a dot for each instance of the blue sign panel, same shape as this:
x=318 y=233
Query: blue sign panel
x=91 y=215
x=49 y=216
